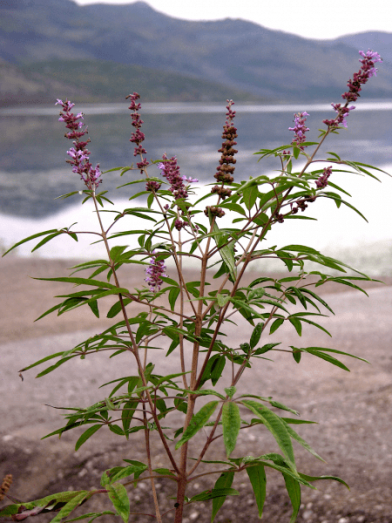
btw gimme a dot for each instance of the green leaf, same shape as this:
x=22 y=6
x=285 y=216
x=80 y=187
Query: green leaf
x=297 y=355
x=119 y=497
x=297 y=325
x=318 y=478
x=86 y=435
x=50 y=231
x=225 y=480
x=222 y=299
x=265 y=348
x=258 y=481
x=84 y=281
x=217 y=369
x=230 y=391
x=302 y=442
x=125 y=472
x=71 y=505
x=173 y=295
x=197 y=422
x=94 y=307
x=256 y=334
x=46 y=240
x=233 y=207
x=276 y=426
x=249 y=194
x=231 y=423
x=276 y=324
x=214 y=493
x=294 y=492
x=226 y=252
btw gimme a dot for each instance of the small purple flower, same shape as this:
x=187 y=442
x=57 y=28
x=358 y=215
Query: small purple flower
x=299 y=129
x=322 y=181
x=179 y=224
x=154 y=273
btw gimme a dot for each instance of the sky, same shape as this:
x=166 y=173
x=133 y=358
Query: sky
x=320 y=19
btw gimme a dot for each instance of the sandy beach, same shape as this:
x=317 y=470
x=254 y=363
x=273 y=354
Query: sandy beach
x=353 y=410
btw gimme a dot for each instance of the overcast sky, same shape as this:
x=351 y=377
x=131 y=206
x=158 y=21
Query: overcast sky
x=321 y=19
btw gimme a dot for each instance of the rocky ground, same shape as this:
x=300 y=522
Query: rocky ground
x=353 y=410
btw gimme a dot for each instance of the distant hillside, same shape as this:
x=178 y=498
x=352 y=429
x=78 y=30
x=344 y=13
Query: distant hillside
x=104 y=81
x=378 y=41
x=176 y=59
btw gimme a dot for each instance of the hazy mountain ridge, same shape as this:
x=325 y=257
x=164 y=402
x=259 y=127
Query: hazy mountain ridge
x=229 y=58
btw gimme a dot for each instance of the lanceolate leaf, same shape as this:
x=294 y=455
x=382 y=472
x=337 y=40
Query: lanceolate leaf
x=214 y=493
x=197 y=422
x=226 y=252
x=294 y=492
x=71 y=505
x=276 y=426
x=231 y=423
x=119 y=497
x=302 y=442
x=258 y=480
x=225 y=480
x=86 y=435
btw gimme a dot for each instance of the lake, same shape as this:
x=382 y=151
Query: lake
x=33 y=171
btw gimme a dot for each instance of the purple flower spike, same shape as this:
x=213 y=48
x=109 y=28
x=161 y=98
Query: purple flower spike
x=80 y=156
x=171 y=171
x=360 y=78
x=154 y=273
x=137 y=137
x=299 y=129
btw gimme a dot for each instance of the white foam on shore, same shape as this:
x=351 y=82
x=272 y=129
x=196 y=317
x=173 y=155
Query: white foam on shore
x=337 y=230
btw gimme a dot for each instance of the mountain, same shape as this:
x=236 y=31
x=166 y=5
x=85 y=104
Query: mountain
x=376 y=40
x=181 y=60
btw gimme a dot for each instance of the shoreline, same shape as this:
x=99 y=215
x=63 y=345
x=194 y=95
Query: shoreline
x=24 y=298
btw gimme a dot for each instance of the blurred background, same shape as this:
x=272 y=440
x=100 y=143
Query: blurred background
x=185 y=62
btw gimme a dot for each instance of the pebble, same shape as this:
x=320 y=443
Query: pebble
x=307 y=514
x=194 y=516
x=343 y=520
x=7 y=437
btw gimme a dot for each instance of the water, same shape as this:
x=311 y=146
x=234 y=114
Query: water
x=33 y=171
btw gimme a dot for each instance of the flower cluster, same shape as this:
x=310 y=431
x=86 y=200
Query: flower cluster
x=322 y=181
x=79 y=153
x=226 y=167
x=137 y=137
x=154 y=272
x=214 y=211
x=171 y=171
x=366 y=71
x=152 y=186
x=299 y=130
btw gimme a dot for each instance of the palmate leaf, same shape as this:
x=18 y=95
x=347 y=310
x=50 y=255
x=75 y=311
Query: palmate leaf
x=231 y=423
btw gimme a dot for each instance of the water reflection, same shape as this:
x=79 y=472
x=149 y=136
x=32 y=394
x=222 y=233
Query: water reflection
x=33 y=171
